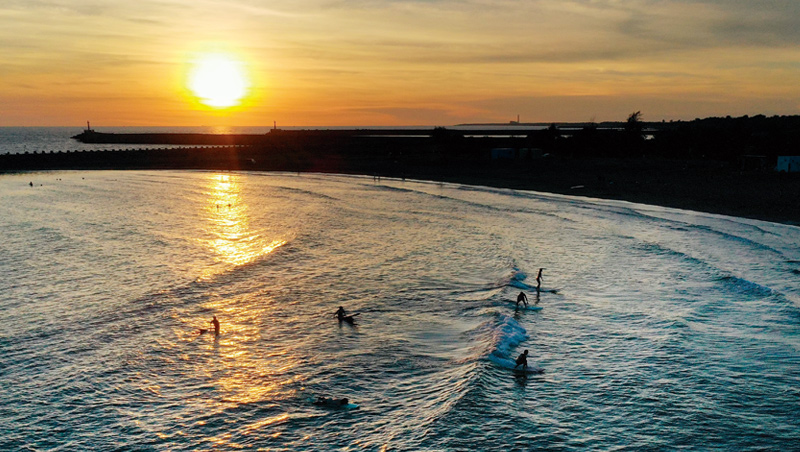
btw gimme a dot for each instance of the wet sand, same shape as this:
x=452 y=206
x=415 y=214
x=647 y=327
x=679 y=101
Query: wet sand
x=699 y=185
x=703 y=186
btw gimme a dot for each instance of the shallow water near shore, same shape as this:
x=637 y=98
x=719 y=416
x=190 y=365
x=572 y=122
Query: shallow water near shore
x=660 y=328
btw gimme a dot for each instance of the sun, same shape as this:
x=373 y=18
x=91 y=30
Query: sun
x=218 y=80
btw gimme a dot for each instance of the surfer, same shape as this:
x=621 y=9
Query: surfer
x=341 y=314
x=216 y=325
x=324 y=401
x=539 y=280
x=522 y=359
x=522 y=298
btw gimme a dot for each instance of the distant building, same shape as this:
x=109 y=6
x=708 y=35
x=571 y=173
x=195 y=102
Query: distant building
x=531 y=153
x=504 y=153
x=788 y=164
x=754 y=162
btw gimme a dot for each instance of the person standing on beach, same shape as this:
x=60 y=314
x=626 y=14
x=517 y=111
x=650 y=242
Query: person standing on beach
x=539 y=280
x=216 y=325
x=522 y=298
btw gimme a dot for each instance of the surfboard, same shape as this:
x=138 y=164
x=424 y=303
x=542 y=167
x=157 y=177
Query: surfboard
x=349 y=406
x=530 y=370
x=508 y=364
x=530 y=307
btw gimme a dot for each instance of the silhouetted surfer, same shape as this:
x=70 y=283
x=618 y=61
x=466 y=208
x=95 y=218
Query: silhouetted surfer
x=216 y=325
x=522 y=359
x=522 y=298
x=333 y=403
x=341 y=314
x=539 y=280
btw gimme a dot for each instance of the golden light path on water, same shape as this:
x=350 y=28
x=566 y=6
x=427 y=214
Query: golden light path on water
x=234 y=242
x=234 y=366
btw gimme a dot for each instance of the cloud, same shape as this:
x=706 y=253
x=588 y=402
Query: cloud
x=543 y=31
x=654 y=107
x=432 y=58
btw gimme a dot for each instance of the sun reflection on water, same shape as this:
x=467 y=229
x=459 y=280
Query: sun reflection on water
x=230 y=235
x=236 y=237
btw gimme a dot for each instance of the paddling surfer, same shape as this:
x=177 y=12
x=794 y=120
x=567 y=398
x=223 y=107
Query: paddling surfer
x=331 y=402
x=522 y=359
x=522 y=298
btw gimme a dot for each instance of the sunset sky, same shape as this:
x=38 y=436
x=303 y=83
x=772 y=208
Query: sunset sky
x=396 y=62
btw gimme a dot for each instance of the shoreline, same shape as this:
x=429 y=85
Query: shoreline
x=701 y=186
x=728 y=187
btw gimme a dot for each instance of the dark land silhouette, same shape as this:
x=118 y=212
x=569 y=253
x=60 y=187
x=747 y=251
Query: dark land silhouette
x=717 y=165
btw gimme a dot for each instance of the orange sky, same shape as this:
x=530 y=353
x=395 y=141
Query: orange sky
x=396 y=62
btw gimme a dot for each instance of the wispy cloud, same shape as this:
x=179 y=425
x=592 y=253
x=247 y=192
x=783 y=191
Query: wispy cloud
x=444 y=55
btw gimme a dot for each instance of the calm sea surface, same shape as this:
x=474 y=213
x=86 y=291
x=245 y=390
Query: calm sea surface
x=660 y=329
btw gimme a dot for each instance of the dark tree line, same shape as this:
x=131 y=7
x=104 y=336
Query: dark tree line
x=724 y=139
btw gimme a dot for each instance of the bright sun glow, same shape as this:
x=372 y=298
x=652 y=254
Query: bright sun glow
x=218 y=81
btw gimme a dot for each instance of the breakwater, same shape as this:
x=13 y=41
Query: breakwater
x=388 y=152
x=595 y=163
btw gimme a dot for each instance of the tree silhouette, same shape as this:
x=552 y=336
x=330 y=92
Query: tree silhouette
x=634 y=123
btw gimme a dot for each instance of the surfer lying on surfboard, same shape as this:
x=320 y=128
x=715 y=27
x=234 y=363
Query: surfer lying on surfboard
x=341 y=314
x=334 y=403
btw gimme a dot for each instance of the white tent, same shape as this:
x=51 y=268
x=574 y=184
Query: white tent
x=788 y=163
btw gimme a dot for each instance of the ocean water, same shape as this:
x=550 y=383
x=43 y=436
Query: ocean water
x=660 y=329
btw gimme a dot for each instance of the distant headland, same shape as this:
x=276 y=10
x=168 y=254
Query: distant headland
x=719 y=165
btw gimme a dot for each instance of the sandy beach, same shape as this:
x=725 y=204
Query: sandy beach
x=704 y=186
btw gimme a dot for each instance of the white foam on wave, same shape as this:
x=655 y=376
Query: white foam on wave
x=517 y=278
x=507 y=334
x=520 y=285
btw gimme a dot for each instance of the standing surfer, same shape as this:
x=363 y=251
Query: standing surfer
x=539 y=280
x=522 y=359
x=522 y=298
x=216 y=325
